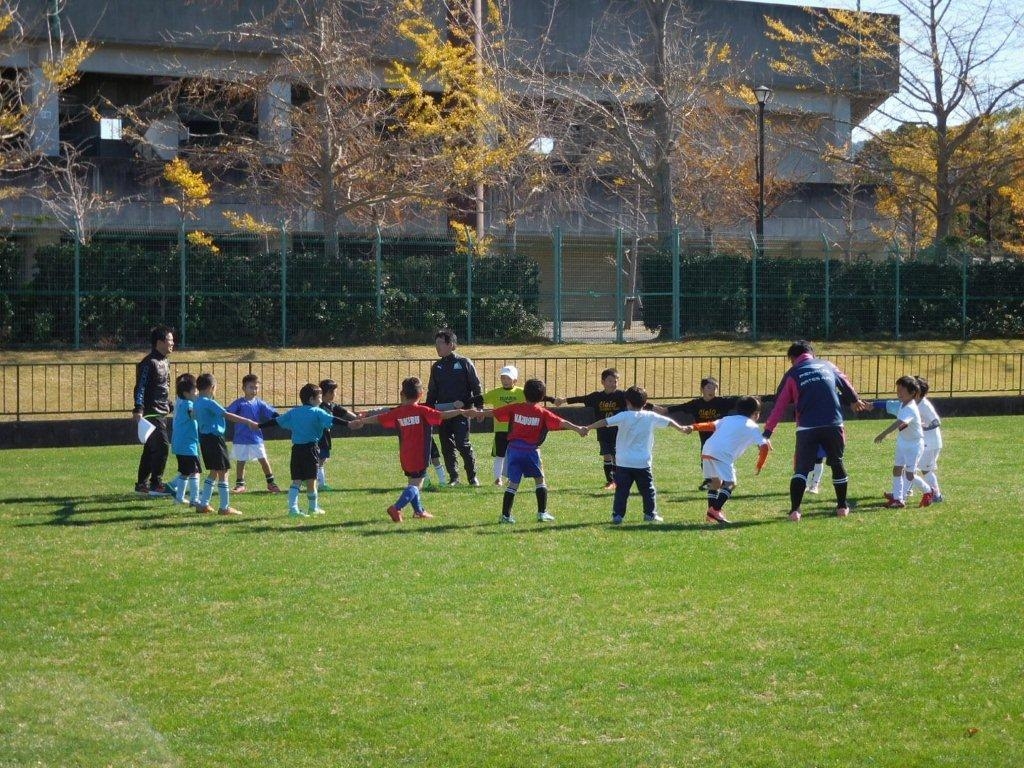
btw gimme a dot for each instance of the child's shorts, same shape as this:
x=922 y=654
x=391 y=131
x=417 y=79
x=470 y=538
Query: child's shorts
x=215 y=452
x=248 y=451
x=929 y=459
x=189 y=465
x=723 y=470
x=416 y=475
x=908 y=455
x=305 y=459
x=520 y=463
x=606 y=440
x=500 y=445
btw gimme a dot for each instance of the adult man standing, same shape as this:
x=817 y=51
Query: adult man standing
x=454 y=384
x=817 y=389
x=152 y=390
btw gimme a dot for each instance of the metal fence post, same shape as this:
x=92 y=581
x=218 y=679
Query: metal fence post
x=378 y=257
x=828 y=288
x=78 y=292
x=963 y=295
x=284 y=285
x=182 y=284
x=469 y=288
x=896 y=254
x=619 y=297
x=556 y=325
x=676 y=287
x=753 y=288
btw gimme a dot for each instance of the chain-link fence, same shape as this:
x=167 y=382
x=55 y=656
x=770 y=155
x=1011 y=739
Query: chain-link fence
x=285 y=289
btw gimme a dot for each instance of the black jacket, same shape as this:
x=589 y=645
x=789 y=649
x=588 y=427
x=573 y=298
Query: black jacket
x=152 y=385
x=454 y=378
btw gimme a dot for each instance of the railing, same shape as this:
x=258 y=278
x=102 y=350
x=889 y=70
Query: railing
x=61 y=390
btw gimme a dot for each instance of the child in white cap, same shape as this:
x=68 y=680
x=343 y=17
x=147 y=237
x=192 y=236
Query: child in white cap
x=507 y=394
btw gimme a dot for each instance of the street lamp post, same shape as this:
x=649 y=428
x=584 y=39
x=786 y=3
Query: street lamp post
x=763 y=94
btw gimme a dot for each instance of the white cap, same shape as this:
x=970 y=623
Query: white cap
x=509 y=370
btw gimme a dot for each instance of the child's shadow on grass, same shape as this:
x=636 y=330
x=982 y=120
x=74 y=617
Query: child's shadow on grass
x=69 y=507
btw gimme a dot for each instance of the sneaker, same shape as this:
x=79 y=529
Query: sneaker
x=395 y=514
x=273 y=488
x=160 y=489
x=716 y=516
x=545 y=517
x=499 y=482
x=318 y=511
x=704 y=486
x=609 y=486
x=475 y=482
x=927 y=499
x=296 y=512
x=423 y=515
x=814 y=489
x=142 y=489
x=938 y=498
x=889 y=497
x=842 y=511
x=616 y=519
x=653 y=517
x=454 y=482
x=324 y=487
x=205 y=509
x=795 y=515
x=895 y=504
x=239 y=487
x=506 y=520
x=229 y=511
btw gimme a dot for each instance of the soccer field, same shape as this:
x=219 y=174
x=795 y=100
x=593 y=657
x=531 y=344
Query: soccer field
x=136 y=633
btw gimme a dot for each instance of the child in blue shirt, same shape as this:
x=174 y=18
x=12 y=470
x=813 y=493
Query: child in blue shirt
x=212 y=419
x=185 y=441
x=247 y=444
x=307 y=423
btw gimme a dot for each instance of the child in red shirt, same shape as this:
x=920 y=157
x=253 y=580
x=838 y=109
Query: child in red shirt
x=529 y=423
x=413 y=422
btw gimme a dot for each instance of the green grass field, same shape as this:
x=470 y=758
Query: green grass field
x=136 y=634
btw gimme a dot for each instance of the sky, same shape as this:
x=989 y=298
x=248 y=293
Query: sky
x=961 y=15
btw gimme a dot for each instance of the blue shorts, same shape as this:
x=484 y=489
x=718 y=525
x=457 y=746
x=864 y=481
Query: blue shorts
x=520 y=463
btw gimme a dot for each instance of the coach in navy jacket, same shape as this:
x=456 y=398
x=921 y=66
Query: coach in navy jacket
x=453 y=378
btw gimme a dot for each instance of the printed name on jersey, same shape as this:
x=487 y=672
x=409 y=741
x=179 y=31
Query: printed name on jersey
x=526 y=421
x=408 y=421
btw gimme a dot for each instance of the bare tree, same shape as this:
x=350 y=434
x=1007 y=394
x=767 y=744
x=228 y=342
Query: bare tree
x=68 y=195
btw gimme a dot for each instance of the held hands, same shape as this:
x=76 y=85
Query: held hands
x=356 y=424
x=581 y=430
x=559 y=401
x=860 y=406
x=686 y=429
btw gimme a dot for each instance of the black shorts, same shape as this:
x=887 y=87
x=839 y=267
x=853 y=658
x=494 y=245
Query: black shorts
x=832 y=440
x=606 y=440
x=189 y=465
x=500 y=445
x=305 y=459
x=215 y=452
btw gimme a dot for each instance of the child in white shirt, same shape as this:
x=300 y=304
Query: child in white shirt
x=732 y=436
x=909 y=441
x=634 y=444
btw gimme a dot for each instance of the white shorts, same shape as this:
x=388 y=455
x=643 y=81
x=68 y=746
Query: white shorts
x=722 y=470
x=248 y=451
x=929 y=459
x=908 y=455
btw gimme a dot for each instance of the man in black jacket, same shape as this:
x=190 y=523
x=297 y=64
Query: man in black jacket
x=454 y=384
x=151 y=402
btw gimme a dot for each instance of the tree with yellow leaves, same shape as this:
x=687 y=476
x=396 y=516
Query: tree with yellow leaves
x=192 y=194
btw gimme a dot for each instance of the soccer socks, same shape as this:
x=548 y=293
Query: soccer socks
x=407 y=496
x=178 y=484
x=293 y=496
x=414 y=502
x=442 y=476
x=542 y=499
x=712 y=496
x=609 y=471
x=933 y=482
x=815 y=479
x=270 y=479
x=192 y=487
x=321 y=476
x=507 y=500
x=897 y=487
x=224 y=494
x=797 y=486
x=207 y=493
x=841 y=485
x=921 y=484
x=720 y=498
x=311 y=498
x=499 y=465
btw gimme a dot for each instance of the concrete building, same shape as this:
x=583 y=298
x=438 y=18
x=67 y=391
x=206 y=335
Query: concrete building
x=142 y=44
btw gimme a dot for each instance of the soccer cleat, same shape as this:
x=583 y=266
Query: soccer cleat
x=889 y=497
x=506 y=520
x=616 y=519
x=228 y=511
x=423 y=515
x=239 y=487
x=842 y=511
x=454 y=482
x=317 y=511
x=895 y=504
x=475 y=482
x=795 y=515
x=937 y=498
x=704 y=486
x=499 y=482
x=927 y=499
x=716 y=516
x=160 y=490
x=324 y=487
x=653 y=517
x=395 y=514
x=609 y=486
x=816 y=488
x=296 y=512
x=142 y=489
x=545 y=517
x=205 y=509
x=273 y=488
